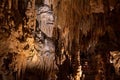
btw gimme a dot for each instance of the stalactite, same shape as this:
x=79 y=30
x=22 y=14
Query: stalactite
x=34 y=45
x=67 y=34
x=93 y=17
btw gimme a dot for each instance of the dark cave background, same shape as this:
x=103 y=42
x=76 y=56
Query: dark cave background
x=84 y=32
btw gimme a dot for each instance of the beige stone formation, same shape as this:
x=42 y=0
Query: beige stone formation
x=115 y=60
x=59 y=39
x=46 y=18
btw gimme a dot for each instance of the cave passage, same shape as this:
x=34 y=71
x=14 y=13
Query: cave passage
x=59 y=39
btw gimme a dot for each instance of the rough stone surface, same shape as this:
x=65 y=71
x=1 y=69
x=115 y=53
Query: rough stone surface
x=59 y=39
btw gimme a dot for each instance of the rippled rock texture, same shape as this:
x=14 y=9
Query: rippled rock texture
x=27 y=50
x=59 y=39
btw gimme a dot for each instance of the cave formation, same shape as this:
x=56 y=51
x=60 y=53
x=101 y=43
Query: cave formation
x=59 y=39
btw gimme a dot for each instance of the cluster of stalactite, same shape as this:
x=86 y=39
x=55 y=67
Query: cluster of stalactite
x=86 y=28
x=27 y=50
x=59 y=39
x=17 y=22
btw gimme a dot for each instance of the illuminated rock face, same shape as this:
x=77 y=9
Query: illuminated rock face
x=115 y=60
x=45 y=48
x=84 y=30
x=45 y=19
x=43 y=58
x=22 y=50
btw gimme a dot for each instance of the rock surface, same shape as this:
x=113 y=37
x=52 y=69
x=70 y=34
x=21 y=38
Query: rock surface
x=59 y=39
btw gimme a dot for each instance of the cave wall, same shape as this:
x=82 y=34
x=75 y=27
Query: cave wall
x=17 y=21
x=83 y=34
x=86 y=28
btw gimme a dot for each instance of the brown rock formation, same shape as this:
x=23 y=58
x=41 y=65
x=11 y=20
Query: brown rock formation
x=59 y=39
